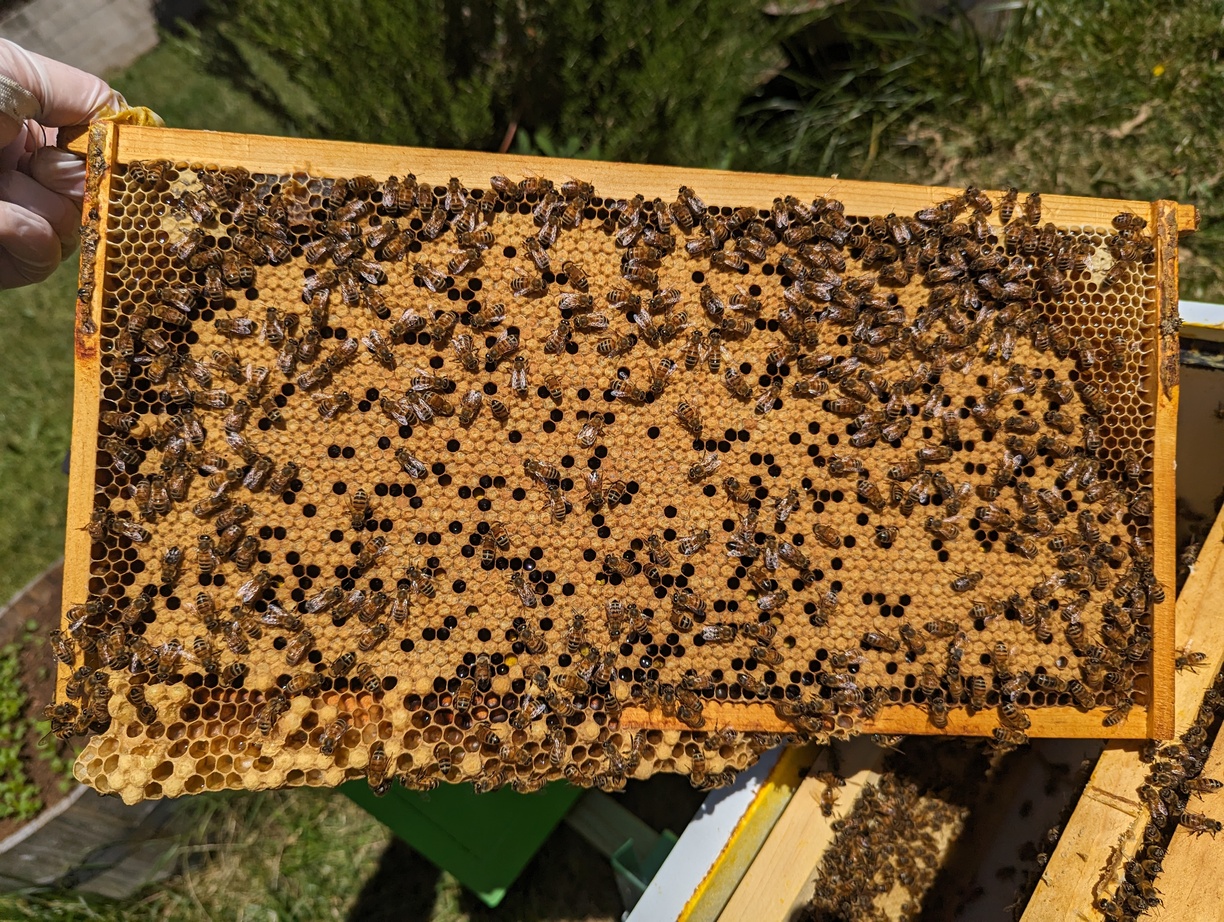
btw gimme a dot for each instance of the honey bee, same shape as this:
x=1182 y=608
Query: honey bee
x=559 y=338
x=172 y=566
x=593 y=481
x=699 y=470
x=464 y=695
x=826 y=535
x=964 y=582
x=785 y=506
x=689 y=418
x=591 y=430
x=751 y=685
x=146 y=713
x=333 y=734
x=870 y=494
x=271 y=710
x=613 y=347
x=533 y=641
x=628 y=391
x=377 y=766
x=526 y=592
x=945 y=529
x=552 y=383
x=690 y=544
x=522 y=287
x=619 y=566
x=576 y=275
x=507 y=188
x=736 y=492
x=1185 y=659
x=542 y=472
x=367 y=679
x=506 y=345
x=1198 y=823
x=372 y=636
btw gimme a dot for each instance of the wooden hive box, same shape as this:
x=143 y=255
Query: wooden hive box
x=927 y=440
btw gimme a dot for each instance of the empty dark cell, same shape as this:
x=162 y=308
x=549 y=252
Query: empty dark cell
x=339 y=487
x=333 y=451
x=381 y=489
x=484 y=505
x=348 y=452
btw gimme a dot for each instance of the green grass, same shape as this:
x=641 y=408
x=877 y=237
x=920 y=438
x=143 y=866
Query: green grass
x=35 y=425
x=292 y=856
x=174 y=81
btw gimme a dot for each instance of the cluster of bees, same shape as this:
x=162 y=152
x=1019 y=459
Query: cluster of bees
x=888 y=848
x=869 y=327
x=1173 y=782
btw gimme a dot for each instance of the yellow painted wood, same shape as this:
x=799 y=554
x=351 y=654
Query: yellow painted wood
x=746 y=839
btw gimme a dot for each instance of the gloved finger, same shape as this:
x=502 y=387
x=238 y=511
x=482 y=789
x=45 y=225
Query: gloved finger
x=63 y=94
x=29 y=246
x=61 y=171
x=59 y=211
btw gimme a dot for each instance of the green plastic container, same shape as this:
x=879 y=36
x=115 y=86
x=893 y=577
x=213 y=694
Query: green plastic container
x=484 y=840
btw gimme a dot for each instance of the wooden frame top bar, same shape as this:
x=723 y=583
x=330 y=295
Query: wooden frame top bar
x=335 y=158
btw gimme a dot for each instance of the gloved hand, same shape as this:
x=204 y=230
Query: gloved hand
x=41 y=186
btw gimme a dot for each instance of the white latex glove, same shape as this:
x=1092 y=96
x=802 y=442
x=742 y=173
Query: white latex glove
x=41 y=186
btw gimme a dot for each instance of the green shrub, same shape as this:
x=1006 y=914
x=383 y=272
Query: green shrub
x=638 y=81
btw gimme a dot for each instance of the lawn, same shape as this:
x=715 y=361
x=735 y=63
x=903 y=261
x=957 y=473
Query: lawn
x=1114 y=98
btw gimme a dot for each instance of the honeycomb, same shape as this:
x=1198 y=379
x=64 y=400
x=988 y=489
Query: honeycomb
x=418 y=480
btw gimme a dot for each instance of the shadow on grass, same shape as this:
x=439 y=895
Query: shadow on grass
x=566 y=880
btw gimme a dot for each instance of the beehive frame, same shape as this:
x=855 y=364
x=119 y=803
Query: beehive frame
x=1150 y=391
